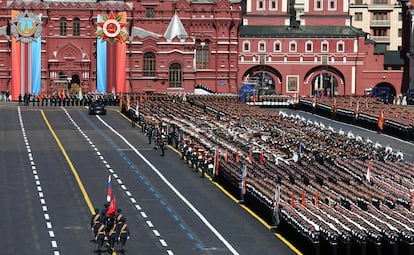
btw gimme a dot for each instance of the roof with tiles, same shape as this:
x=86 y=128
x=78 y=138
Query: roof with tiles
x=303 y=31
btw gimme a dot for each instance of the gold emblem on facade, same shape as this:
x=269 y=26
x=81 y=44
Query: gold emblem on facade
x=26 y=27
x=111 y=29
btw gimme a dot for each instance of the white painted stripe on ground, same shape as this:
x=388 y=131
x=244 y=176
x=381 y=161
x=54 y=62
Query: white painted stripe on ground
x=163 y=242
x=156 y=233
x=144 y=215
x=169 y=184
x=149 y=223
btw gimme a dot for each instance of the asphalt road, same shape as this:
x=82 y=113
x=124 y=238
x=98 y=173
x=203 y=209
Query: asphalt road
x=55 y=164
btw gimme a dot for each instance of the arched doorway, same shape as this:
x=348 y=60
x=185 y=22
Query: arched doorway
x=325 y=84
x=325 y=81
x=390 y=87
x=74 y=84
x=265 y=79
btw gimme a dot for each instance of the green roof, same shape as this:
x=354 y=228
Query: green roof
x=302 y=31
x=380 y=48
x=393 y=58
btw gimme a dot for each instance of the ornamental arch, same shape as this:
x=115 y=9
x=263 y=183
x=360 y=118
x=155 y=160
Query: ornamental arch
x=326 y=80
x=265 y=77
x=393 y=91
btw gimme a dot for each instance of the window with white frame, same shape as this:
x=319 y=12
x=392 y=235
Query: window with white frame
x=262 y=46
x=340 y=47
x=332 y=5
x=260 y=5
x=292 y=47
x=324 y=47
x=273 y=5
x=318 y=5
x=277 y=47
x=246 y=46
x=309 y=46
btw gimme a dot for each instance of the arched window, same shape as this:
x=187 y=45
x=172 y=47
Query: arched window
x=62 y=26
x=149 y=64
x=76 y=27
x=175 y=76
x=202 y=54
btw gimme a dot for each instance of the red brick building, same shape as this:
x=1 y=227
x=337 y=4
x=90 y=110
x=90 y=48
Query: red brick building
x=172 y=46
x=175 y=46
x=308 y=46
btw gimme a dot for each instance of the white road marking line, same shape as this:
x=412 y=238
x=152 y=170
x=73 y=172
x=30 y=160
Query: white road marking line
x=156 y=233
x=149 y=223
x=163 y=242
x=169 y=184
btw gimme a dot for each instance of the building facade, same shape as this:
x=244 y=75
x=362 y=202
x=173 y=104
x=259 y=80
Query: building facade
x=168 y=46
x=291 y=47
x=382 y=19
x=308 y=47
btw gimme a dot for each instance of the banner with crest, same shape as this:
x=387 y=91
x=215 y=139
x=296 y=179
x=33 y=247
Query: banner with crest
x=111 y=35
x=26 y=31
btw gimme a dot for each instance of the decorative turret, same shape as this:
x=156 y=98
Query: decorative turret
x=175 y=29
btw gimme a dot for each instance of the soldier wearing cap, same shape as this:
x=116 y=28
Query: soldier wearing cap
x=162 y=145
x=95 y=221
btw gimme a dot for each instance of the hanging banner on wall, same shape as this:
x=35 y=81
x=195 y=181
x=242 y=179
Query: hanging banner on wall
x=112 y=28
x=26 y=31
x=111 y=35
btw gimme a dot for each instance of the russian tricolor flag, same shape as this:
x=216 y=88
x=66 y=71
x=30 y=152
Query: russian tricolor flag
x=109 y=191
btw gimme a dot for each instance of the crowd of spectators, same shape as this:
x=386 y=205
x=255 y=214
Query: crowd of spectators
x=334 y=186
x=367 y=105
